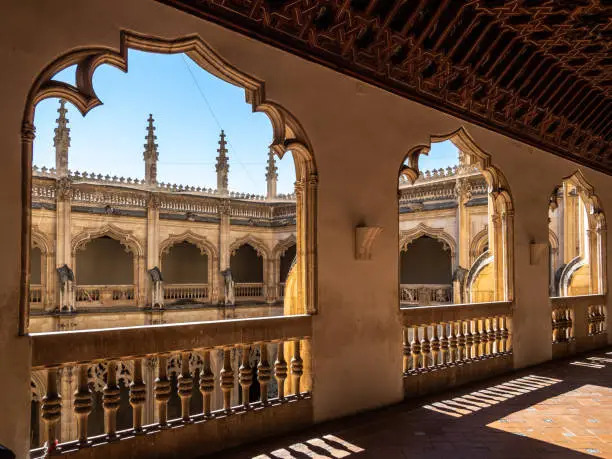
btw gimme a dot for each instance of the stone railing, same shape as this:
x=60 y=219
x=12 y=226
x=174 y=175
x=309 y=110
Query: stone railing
x=36 y=294
x=104 y=295
x=92 y=177
x=244 y=290
x=204 y=357
x=425 y=294
x=578 y=324
x=193 y=293
x=466 y=342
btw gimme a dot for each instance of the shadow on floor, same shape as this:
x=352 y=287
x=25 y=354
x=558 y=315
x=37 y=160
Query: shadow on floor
x=561 y=409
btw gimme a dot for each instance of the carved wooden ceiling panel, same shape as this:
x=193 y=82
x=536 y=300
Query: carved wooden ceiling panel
x=537 y=70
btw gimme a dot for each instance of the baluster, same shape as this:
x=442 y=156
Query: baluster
x=477 y=346
x=435 y=345
x=570 y=324
x=453 y=343
x=415 y=349
x=280 y=370
x=207 y=384
x=444 y=343
x=110 y=401
x=498 y=334
x=185 y=387
x=264 y=373
x=227 y=380
x=245 y=376
x=555 y=326
x=462 y=342
x=297 y=368
x=83 y=404
x=491 y=335
x=405 y=350
x=162 y=390
x=51 y=410
x=505 y=334
x=425 y=347
x=484 y=337
x=469 y=341
x=138 y=396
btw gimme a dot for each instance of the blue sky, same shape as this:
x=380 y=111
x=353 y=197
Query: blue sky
x=190 y=107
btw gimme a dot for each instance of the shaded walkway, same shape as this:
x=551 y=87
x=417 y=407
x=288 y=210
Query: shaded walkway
x=561 y=409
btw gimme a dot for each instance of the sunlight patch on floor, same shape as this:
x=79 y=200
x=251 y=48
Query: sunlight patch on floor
x=484 y=398
x=578 y=420
x=329 y=446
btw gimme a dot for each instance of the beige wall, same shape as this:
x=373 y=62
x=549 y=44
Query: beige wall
x=356 y=345
x=184 y=264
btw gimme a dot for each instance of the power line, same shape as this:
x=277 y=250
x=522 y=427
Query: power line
x=212 y=112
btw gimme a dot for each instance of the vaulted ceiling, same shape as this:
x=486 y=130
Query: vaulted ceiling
x=537 y=70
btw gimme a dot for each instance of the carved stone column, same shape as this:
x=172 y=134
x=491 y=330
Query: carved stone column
x=224 y=254
x=68 y=386
x=152 y=254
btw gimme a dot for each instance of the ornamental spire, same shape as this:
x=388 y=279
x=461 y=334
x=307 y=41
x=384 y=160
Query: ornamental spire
x=150 y=154
x=271 y=175
x=222 y=166
x=61 y=141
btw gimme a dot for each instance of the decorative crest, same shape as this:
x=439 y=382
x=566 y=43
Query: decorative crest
x=150 y=155
x=222 y=166
x=61 y=141
x=271 y=175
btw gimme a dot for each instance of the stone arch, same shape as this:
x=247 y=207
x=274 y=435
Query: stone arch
x=408 y=236
x=501 y=210
x=125 y=237
x=479 y=265
x=594 y=238
x=288 y=135
x=255 y=242
x=46 y=247
x=282 y=246
x=479 y=242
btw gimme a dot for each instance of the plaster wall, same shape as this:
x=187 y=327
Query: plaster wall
x=356 y=343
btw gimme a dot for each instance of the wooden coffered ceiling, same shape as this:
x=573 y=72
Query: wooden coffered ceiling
x=537 y=70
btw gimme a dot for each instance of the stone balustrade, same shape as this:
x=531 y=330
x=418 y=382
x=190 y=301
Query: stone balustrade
x=194 y=293
x=36 y=294
x=425 y=294
x=578 y=324
x=249 y=290
x=446 y=346
x=104 y=295
x=206 y=357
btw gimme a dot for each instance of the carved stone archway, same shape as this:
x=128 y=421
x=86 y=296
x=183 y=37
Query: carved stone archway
x=206 y=247
x=408 y=236
x=501 y=210
x=479 y=242
x=288 y=135
x=124 y=237
x=47 y=274
x=275 y=262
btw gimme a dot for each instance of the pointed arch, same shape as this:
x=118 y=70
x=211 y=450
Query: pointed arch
x=125 y=237
x=479 y=242
x=256 y=243
x=408 y=236
x=288 y=135
x=282 y=246
x=201 y=242
x=41 y=241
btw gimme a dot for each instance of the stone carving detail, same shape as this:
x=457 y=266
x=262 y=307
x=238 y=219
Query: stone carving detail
x=151 y=156
x=222 y=166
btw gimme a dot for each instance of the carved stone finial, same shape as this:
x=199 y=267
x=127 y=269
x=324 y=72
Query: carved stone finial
x=150 y=155
x=222 y=166
x=271 y=175
x=61 y=141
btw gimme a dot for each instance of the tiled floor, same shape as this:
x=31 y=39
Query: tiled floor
x=558 y=410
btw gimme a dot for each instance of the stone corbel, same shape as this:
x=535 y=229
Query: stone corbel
x=364 y=241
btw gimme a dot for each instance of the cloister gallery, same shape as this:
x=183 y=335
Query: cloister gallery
x=146 y=319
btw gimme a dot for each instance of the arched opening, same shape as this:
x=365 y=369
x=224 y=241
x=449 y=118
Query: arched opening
x=449 y=191
x=428 y=281
x=576 y=239
x=247 y=267
x=185 y=269
x=36 y=278
x=104 y=272
x=286 y=260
